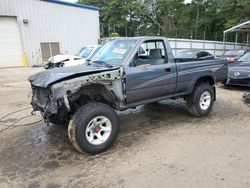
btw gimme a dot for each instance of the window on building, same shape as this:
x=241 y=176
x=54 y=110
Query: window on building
x=49 y=49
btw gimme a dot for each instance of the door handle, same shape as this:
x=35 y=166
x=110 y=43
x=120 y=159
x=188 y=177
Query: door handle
x=168 y=69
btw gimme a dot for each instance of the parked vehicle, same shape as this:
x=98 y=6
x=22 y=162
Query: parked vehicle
x=71 y=60
x=119 y=77
x=239 y=73
x=233 y=55
x=193 y=55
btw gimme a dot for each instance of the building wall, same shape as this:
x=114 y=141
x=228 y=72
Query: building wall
x=72 y=27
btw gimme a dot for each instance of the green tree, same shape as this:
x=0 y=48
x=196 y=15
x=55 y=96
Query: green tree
x=172 y=18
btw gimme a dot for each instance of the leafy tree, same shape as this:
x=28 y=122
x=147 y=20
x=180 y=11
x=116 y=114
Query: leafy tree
x=200 y=19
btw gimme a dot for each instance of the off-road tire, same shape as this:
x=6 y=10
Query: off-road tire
x=193 y=100
x=79 y=122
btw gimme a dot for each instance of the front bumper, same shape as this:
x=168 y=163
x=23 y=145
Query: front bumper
x=238 y=82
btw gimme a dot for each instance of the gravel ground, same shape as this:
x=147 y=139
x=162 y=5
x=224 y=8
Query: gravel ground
x=159 y=145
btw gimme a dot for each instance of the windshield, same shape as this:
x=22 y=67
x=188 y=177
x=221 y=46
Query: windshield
x=113 y=53
x=96 y=50
x=185 y=54
x=84 y=52
x=235 y=53
x=245 y=59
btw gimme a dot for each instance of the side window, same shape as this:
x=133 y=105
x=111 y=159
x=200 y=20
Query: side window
x=150 y=53
x=202 y=54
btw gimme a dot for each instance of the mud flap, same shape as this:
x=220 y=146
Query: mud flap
x=72 y=135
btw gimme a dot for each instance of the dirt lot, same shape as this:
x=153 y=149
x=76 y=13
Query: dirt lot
x=159 y=145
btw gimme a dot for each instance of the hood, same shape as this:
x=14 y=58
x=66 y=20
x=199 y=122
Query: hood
x=74 y=62
x=238 y=71
x=48 y=77
x=239 y=67
x=60 y=58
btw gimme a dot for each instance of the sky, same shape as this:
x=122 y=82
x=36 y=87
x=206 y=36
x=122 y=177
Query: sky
x=73 y=1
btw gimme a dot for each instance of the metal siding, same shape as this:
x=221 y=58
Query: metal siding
x=72 y=27
x=10 y=43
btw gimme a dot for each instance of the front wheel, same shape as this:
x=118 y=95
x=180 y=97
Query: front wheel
x=201 y=100
x=94 y=128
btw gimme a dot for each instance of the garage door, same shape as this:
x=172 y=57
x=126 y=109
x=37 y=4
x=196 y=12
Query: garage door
x=10 y=43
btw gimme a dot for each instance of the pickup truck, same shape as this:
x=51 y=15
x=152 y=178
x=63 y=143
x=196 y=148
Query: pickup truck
x=124 y=73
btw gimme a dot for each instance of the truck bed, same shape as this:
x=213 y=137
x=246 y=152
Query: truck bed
x=189 y=72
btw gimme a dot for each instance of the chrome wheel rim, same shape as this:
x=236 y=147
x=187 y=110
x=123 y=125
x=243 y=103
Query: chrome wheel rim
x=98 y=130
x=205 y=100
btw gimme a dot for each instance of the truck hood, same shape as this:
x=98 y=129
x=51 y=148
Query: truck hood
x=48 y=77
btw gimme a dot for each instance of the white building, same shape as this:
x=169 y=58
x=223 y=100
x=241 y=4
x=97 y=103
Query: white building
x=43 y=28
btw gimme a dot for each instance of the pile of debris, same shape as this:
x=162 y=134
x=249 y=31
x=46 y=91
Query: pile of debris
x=246 y=98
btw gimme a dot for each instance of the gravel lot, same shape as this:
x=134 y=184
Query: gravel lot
x=159 y=145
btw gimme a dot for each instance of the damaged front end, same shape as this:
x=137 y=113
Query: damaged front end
x=43 y=101
x=60 y=99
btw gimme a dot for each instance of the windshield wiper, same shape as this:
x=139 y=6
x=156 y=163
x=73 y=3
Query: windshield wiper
x=103 y=63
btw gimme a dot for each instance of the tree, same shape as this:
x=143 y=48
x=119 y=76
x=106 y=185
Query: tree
x=172 y=18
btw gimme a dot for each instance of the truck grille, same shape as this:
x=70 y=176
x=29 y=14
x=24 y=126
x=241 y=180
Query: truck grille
x=40 y=96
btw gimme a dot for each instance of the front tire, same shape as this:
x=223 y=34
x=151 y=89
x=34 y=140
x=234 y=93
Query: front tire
x=94 y=128
x=201 y=100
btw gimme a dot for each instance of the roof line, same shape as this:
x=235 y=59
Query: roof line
x=73 y=4
x=236 y=27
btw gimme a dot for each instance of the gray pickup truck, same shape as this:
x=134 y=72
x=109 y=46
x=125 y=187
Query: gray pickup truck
x=124 y=73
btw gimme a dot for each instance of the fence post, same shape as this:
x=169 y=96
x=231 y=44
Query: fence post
x=236 y=40
x=175 y=52
x=247 y=39
x=215 y=48
x=224 y=38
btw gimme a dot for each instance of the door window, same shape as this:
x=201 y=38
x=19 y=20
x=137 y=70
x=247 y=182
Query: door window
x=150 y=53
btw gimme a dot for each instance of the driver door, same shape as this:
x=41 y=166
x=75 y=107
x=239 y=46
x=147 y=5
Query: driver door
x=150 y=75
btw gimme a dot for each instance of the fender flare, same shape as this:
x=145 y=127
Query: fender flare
x=201 y=77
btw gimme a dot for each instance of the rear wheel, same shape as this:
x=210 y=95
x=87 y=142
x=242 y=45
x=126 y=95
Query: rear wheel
x=93 y=128
x=200 y=101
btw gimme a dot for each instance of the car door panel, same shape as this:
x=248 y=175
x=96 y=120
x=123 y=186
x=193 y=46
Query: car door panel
x=150 y=81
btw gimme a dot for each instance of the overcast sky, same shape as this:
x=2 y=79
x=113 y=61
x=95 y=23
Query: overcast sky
x=73 y=1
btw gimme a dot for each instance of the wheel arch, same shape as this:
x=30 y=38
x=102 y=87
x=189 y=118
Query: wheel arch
x=94 y=92
x=207 y=78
